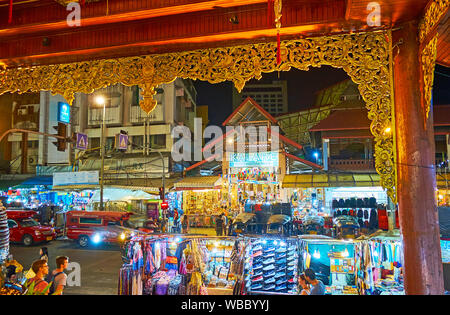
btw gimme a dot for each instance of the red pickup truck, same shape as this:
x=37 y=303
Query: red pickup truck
x=95 y=227
x=24 y=229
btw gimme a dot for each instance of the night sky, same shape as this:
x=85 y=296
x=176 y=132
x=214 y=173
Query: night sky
x=302 y=89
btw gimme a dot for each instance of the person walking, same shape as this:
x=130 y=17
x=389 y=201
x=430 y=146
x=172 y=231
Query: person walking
x=306 y=290
x=58 y=278
x=40 y=268
x=219 y=225
x=317 y=286
x=43 y=253
x=185 y=224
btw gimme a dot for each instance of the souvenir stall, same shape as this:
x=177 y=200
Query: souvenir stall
x=270 y=266
x=201 y=198
x=254 y=176
x=307 y=201
x=333 y=261
x=367 y=204
x=162 y=265
x=379 y=262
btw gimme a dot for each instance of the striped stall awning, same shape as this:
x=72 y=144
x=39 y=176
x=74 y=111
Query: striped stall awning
x=331 y=180
x=199 y=182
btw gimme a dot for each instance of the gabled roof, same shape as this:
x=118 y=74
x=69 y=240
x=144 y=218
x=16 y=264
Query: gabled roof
x=350 y=119
x=356 y=119
x=244 y=109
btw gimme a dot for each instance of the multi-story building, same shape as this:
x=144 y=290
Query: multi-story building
x=176 y=105
x=273 y=97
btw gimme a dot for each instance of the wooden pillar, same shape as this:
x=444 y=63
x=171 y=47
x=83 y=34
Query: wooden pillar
x=416 y=171
x=24 y=152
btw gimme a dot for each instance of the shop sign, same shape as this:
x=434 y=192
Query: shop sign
x=253 y=159
x=63 y=112
x=76 y=178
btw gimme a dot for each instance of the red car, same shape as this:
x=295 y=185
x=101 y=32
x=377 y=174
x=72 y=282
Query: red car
x=95 y=227
x=24 y=229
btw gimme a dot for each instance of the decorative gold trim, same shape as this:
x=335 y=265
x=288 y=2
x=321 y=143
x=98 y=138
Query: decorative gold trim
x=365 y=57
x=428 y=62
x=433 y=14
x=428 y=34
x=66 y=2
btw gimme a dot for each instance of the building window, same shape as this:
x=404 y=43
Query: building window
x=158 y=141
x=138 y=142
x=135 y=95
x=95 y=143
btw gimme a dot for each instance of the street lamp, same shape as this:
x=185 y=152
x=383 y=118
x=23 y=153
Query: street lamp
x=100 y=100
x=316 y=155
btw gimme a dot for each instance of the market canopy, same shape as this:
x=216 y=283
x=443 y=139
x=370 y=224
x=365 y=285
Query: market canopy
x=199 y=182
x=35 y=181
x=331 y=180
x=150 y=185
x=442 y=181
x=117 y=194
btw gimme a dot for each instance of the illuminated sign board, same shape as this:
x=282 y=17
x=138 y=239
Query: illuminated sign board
x=261 y=159
x=63 y=112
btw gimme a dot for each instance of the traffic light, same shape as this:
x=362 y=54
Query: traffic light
x=62 y=132
x=161 y=193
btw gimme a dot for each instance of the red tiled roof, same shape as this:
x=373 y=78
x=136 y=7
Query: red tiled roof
x=354 y=119
x=441 y=115
x=350 y=119
x=253 y=102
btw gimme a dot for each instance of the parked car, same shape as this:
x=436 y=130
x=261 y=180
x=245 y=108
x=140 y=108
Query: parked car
x=23 y=228
x=95 y=227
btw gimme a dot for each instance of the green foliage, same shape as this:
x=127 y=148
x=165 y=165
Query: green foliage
x=31 y=291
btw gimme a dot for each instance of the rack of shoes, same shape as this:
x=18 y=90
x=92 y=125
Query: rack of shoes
x=273 y=266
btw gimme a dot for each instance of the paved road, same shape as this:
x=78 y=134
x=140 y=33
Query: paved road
x=99 y=266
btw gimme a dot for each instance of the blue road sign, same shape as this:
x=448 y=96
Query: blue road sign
x=122 y=143
x=82 y=141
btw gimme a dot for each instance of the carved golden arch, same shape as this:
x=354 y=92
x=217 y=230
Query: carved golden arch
x=366 y=58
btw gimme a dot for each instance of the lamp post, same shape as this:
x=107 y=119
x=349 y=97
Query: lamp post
x=100 y=100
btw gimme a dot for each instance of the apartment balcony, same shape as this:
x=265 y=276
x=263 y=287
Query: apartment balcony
x=351 y=165
x=138 y=116
x=113 y=115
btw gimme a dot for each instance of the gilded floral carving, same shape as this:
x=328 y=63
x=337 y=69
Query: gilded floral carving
x=365 y=57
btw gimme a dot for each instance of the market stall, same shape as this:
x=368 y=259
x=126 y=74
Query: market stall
x=379 y=261
x=332 y=260
x=162 y=265
x=201 y=199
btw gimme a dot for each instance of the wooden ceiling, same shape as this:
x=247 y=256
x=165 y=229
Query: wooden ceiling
x=39 y=33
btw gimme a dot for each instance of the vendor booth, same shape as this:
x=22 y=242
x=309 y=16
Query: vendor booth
x=379 y=261
x=333 y=261
x=162 y=265
x=201 y=199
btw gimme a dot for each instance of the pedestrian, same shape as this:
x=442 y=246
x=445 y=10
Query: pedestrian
x=317 y=286
x=306 y=290
x=12 y=279
x=185 y=224
x=40 y=268
x=43 y=253
x=58 y=278
x=219 y=225
x=176 y=223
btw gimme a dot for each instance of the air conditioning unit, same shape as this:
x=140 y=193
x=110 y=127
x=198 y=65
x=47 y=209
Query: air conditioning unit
x=22 y=111
x=32 y=160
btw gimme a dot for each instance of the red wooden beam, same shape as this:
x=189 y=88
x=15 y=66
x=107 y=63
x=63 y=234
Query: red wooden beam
x=201 y=162
x=314 y=165
x=164 y=33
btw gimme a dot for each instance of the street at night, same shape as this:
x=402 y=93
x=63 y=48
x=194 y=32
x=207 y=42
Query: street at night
x=98 y=265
